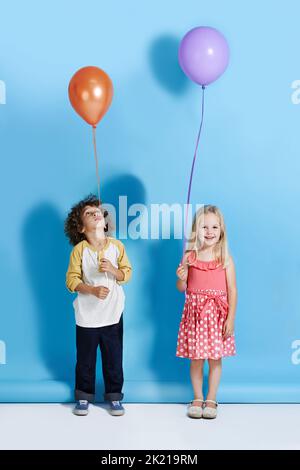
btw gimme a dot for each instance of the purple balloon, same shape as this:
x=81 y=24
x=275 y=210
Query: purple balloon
x=203 y=55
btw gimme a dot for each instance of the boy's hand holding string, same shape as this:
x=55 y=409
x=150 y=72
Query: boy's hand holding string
x=107 y=267
x=101 y=292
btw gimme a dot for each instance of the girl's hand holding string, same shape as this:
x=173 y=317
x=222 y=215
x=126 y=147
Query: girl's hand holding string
x=182 y=272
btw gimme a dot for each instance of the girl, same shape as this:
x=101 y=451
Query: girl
x=206 y=331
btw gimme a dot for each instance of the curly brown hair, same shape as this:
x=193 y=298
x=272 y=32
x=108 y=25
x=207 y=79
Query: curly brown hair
x=73 y=223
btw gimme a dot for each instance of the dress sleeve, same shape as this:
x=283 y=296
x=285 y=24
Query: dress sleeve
x=74 y=272
x=124 y=264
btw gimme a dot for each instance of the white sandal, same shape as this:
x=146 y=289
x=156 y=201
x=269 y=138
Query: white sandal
x=195 y=411
x=208 y=412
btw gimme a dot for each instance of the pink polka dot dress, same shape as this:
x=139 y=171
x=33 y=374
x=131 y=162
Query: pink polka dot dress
x=204 y=313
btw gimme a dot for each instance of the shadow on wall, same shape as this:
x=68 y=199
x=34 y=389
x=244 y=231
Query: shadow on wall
x=46 y=261
x=123 y=185
x=166 y=308
x=130 y=186
x=163 y=58
x=162 y=303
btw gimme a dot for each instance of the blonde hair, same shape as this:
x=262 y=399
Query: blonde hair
x=220 y=250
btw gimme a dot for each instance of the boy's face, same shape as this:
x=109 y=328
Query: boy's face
x=92 y=219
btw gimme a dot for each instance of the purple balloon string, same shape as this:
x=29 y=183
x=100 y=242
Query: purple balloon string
x=192 y=170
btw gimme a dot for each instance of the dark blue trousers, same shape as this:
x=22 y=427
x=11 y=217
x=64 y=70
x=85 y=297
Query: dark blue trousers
x=110 y=340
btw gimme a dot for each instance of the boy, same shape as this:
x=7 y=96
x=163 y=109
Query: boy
x=97 y=268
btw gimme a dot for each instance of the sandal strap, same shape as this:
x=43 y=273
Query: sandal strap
x=198 y=399
x=211 y=401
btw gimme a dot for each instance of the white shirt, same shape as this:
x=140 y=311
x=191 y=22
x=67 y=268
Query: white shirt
x=90 y=311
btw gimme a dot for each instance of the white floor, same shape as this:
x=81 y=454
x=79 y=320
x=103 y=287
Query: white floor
x=159 y=426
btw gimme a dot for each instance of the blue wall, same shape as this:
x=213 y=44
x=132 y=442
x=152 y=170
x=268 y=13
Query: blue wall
x=248 y=165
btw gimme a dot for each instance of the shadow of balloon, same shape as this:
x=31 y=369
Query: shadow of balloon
x=163 y=58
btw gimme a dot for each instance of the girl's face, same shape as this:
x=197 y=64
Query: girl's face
x=92 y=219
x=209 y=230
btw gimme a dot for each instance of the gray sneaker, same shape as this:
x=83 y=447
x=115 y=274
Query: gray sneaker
x=116 y=408
x=81 y=408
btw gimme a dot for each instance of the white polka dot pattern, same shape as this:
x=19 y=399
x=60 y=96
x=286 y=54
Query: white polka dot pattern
x=200 y=331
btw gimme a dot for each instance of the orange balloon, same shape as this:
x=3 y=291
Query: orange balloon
x=90 y=93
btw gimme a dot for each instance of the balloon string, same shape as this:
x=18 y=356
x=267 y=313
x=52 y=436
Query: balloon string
x=192 y=172
x=98 y=182
x=96 y=160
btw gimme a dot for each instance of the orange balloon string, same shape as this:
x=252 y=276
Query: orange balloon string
x=96 y=161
